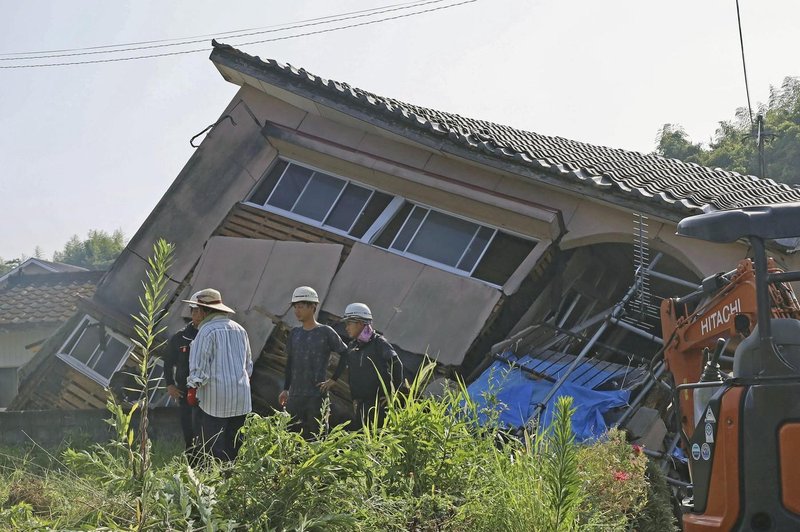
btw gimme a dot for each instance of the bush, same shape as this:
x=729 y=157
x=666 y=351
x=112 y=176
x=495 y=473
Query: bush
x=657 y=515
x=431 y=467
x=614 y=482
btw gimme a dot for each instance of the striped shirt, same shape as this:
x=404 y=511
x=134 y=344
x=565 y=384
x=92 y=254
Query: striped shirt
x=220 y=365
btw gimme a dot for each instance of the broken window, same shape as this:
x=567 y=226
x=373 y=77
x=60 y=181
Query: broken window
x=157 y=386
x=126 y=389
x=95 y=350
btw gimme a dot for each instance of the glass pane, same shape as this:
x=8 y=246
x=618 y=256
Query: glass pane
x=156 y=384
x=377 y=204
x=442 y=238
x=391 y=229
x=111 y=357
x=290 y=187
x=408 y=230
x=156 y=373
x=475 y=249
x=349 y=206
x=319 y=196
x=504 y=255
x=75 y=337
x=260 y=195
x=87 y=343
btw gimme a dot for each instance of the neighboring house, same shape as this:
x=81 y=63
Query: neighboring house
x=36 y=298
x=33 y=266
x=457 y=232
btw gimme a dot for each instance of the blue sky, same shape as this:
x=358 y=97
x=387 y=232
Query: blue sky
x=96 y=146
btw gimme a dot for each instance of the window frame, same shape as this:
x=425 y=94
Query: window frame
x=382 y=220
x=159 y=389
x=441 y=265
x=310 y=221
x=84 y=368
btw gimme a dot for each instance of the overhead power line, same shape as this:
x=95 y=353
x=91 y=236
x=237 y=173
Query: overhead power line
x=260 y=41
x=744 y=64
x=230 y=33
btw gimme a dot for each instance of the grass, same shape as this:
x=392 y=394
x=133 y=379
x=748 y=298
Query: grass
x=432 y=467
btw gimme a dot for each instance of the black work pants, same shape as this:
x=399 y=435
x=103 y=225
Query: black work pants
x=364 y=411
x=306 y=412
x=220 y=435
x=189 y=422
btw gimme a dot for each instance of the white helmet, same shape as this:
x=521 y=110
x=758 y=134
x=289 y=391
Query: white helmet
x=305 y=293
x=357 y=311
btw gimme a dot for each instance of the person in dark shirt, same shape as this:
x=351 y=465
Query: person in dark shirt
x=373 y=365
x=176 y=370
x=308 y=352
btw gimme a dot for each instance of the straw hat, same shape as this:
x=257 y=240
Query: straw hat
x=209 y=298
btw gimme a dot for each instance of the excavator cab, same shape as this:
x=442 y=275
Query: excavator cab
x=744 y=451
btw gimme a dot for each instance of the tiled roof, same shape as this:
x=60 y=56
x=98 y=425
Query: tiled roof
x=671 y=183
x=60 y=266
x=44 y=297
x=34 y=265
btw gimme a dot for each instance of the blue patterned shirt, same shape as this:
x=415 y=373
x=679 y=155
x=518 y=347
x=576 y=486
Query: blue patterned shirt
x=220 y=365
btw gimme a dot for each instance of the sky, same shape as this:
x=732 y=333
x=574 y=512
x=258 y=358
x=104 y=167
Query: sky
x=95 y=146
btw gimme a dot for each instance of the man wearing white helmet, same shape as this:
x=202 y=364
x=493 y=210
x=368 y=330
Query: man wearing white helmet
x=308 y=352
x=374 y=366
x=220 y=365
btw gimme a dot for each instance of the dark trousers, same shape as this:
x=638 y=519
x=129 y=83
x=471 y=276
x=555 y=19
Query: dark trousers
x=364 y=412
x=305 y=411
x=189 y=422
x=220 y=435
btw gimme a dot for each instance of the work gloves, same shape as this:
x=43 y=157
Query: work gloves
x=191 y=397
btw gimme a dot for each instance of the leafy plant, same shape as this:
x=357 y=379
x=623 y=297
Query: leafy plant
x=148 y=329
x=560 y=471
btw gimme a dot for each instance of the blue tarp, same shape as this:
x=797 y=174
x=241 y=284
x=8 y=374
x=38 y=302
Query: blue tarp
x=589 y=374
x=517 y=395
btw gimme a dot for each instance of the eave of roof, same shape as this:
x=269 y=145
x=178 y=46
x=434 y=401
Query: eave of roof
x=667 y=188
x=53 y=267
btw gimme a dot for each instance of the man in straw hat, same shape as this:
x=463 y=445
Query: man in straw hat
x=220 y=365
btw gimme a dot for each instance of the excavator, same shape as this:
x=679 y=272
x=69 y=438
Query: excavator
x=740 y=430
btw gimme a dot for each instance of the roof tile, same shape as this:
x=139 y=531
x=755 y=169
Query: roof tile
x=44 y=297
x=668 y=181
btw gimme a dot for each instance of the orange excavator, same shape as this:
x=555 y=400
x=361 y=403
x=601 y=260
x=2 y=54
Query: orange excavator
x=740 y=430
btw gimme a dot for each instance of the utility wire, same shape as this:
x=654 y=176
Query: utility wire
x=236 y=34
x=744 y=65
x=274 y=39
x=218 y=34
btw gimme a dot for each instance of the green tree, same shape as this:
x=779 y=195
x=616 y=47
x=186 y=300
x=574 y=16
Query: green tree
x=8 y=265
x=734 y=145
x=673 y=142
x=97 y=252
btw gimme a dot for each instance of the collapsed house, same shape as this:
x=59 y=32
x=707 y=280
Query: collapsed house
x=465 y=237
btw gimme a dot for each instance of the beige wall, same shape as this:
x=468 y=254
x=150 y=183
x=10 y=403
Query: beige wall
x=13 y=355
x=12 y=344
